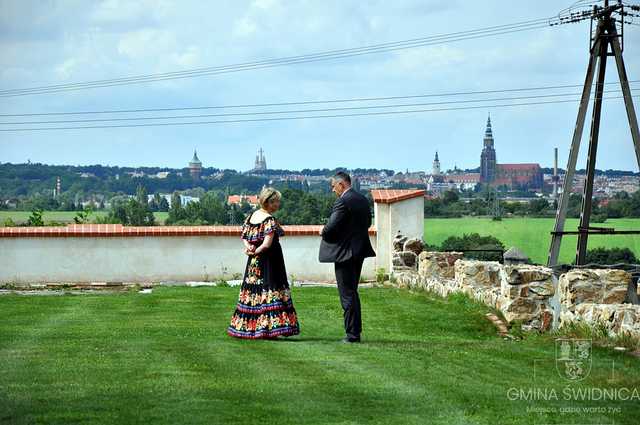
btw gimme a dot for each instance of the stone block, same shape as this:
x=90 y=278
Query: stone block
x=438 y=264
x=593 y=286
x=542 y=289
x=414 y=245
x=523 y=309
x=477 y=273
x=617 y=318
x=398 y=242
x=405 y=259
x=521 y=274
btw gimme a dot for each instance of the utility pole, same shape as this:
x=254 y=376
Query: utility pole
x=496 y=212
x=606 y=41
x=555 y=177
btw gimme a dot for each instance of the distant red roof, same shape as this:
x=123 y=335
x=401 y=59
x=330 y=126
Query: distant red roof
x=390 y=196
x=518 y=166
x=463 y=178
x=237 y=199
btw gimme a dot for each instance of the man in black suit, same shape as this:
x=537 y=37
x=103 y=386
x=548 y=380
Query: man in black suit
x=345 y=242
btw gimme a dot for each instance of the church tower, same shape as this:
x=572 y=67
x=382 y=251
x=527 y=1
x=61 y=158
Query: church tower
x=436 y=166
x=195 y=166
x=261 y=161
x=488 y=156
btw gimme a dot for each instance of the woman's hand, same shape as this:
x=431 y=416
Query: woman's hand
x=250 y=250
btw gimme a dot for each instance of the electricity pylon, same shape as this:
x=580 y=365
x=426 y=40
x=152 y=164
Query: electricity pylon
x=605 y=42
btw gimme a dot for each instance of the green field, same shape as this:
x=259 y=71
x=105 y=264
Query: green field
x=532 y=235
x=164 y=358
x=61 y=216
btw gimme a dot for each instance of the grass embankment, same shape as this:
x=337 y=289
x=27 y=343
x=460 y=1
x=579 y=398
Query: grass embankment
x=532 y=235
x=165 y=358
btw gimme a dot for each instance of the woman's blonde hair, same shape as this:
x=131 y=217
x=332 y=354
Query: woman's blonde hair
x=267 y=195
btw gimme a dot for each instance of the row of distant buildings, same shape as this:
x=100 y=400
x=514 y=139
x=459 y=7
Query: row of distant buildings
x=527 y=176
x=515 y=176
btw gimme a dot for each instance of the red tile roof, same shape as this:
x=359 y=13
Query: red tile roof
x=463 y=178
x=390 y=196
x=518 y=166
x=237 y=199
x=118 y=230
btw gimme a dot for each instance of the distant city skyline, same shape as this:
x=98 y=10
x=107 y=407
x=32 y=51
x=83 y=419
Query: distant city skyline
x=43 y=46
x=427 y=169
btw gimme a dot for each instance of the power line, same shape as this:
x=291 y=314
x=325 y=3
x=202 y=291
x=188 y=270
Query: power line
x=297 y=117
x=308 y=102
x=296 y=111
x=321 y=56
x=402 y=43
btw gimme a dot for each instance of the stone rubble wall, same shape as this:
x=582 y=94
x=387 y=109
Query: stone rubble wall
x=595 y=296
x=526 y=293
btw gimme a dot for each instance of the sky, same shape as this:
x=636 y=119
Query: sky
x=57 y=42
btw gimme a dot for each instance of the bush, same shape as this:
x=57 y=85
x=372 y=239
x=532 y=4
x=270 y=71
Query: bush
x=8 y=222
x=35 y=219
x=474 y=241
x=128 y=213
x=606 y=256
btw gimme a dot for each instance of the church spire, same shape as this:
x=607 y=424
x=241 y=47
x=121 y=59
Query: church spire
x=488 y=133
x=195 y=157
x=261 y=161
x=488 y=164
x=436 y=166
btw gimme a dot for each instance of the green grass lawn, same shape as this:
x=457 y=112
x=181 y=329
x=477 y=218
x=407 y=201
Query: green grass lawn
x=532 y=235
x=165 y=358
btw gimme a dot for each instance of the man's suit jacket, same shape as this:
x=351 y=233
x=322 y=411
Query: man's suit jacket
x=346 y=234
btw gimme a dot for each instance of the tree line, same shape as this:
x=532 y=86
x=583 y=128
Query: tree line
x=297 y=207
x=32 y=185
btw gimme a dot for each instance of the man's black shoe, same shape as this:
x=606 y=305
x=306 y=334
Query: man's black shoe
x=348 y=340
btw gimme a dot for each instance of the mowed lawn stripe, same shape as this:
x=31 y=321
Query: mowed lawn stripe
x=165 y=358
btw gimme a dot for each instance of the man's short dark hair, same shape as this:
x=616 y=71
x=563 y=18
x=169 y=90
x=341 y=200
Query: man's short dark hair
x=341 y=175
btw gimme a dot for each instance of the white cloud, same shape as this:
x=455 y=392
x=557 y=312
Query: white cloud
x=146 y=43
x=266 y=4
x=189 y=58
x=425 y=60
x=109 y=11
x=245 y=27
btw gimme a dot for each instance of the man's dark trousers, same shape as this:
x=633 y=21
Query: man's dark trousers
x=348 y=277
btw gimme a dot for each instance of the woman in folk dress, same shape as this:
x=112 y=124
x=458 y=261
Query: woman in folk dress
x=265 y=309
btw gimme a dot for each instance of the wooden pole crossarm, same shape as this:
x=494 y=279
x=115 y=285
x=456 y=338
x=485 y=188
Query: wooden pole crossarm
x=591 y=231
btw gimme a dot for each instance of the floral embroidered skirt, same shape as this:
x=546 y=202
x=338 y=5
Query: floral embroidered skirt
x=265 y=308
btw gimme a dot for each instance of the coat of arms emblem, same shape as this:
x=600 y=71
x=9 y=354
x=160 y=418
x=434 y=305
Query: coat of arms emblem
x=573 y=358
